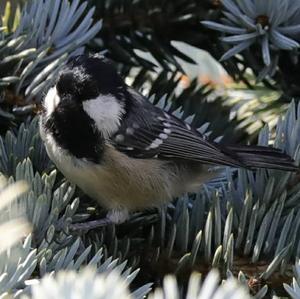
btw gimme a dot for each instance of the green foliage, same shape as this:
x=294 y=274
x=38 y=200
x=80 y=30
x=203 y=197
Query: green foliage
x=17 y=265
x=274 y=27
x=55 y=37
x=68 y=285
x=244 y=223
x=131 y=25
x=49 y=248
x=294 y=289
x=230 y=288
x=251 y=218
x=22 y=144
x=32 y=55
x=265 y=34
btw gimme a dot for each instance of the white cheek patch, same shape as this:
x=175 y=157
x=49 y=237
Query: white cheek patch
x=51 y=101
x=106 y=111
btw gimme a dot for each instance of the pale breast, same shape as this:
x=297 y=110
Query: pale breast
x=123 y=182
x=117 y=181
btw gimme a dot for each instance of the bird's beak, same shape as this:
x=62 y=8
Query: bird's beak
x=51 y=101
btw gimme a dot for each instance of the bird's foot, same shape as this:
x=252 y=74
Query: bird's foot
x=112 y=217
x=85 y=226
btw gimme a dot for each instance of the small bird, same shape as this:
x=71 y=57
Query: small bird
x=124 y=152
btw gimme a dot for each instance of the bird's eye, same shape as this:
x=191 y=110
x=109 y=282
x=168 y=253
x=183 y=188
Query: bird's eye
x=66 y=84
x=76 y=85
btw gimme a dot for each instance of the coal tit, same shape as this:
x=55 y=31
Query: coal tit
x=124 y=152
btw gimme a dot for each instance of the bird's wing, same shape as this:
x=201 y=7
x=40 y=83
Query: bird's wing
x=147 y=132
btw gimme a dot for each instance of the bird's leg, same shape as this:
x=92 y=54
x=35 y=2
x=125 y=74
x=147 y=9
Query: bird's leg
x=118 y=216
x=112 y=217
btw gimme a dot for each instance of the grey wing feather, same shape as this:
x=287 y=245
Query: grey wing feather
x=147 y=132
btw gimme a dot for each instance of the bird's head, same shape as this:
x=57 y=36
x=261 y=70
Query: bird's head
x=86 y=77
x=89 y=84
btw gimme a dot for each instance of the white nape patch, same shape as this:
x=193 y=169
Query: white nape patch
x=155 y=144
x=106 y=111
x=51 y=101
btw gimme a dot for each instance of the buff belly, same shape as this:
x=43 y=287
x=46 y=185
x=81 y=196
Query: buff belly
x=121 y=182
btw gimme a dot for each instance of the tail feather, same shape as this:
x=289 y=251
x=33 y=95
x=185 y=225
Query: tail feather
x=263 y=157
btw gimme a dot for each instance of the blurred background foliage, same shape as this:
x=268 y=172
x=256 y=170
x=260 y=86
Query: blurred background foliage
x=229 y=68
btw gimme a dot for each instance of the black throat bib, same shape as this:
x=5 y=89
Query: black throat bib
x=75 y=131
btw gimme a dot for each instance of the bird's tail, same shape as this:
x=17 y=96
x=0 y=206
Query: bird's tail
x=263 y=157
